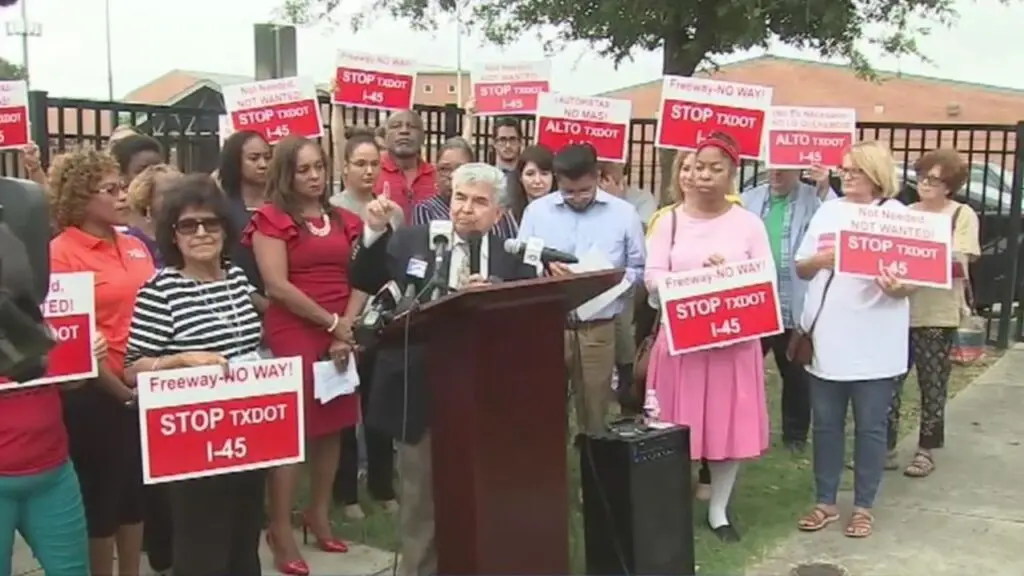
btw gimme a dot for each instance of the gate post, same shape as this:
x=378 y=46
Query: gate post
x=39 y=123
x=451 y=120
x=1013 y=241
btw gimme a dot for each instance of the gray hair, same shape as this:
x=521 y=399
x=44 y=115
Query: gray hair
x=457 y=143
x=478 y=173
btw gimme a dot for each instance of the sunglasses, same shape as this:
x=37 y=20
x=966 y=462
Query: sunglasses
x=190 y=226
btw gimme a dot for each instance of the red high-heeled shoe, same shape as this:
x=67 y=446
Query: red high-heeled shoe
x=329 y=544
x=292 y=568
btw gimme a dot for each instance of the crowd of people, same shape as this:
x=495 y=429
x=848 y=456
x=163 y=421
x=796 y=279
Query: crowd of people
x=272 y=256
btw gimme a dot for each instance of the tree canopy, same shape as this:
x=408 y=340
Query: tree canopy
x=690 y=32
x=11 y=71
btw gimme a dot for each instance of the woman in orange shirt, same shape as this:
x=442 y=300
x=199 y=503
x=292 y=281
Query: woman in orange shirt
x=88 y=200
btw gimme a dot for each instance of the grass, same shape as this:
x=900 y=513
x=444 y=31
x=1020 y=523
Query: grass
x=770 y=495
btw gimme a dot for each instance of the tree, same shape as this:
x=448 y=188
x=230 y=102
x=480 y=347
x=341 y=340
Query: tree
x=11 y=71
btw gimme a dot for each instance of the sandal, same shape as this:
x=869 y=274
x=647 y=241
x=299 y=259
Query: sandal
x=861 y=525
x=818 y=519
x=922 y=465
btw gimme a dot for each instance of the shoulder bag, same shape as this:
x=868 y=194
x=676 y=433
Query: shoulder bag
x=643 y=350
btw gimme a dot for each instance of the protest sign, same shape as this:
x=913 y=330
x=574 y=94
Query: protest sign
x=693 y=108
x=601 y=122
x=275 y=108
x=374 y=81
x=13 y=114
x=70 y=312
x=801 y=136
x=509 y=87
x=914 y=246
x=718 y=306
x=205 y=421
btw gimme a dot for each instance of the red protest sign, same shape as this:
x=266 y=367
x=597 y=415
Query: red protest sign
x=199 y=422
x=13 y=114
x=715 y=307
x=374 y=81
x=692 y=108
x=801 y=136
x=275 y=108
x=70 y=312
x=912 y=245
x=509 y=87
x=601 y=122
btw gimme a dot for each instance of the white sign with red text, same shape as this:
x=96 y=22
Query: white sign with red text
x=275 y=108
x=718 y=306
x=70 y=312
x=805 y=136
x=207 y=421
x=601 y=122
x=509 y=87
x=13 y=114
x=374 y=81
x=693 y=108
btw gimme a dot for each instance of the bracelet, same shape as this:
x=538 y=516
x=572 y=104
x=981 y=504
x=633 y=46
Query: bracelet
x=334 y=323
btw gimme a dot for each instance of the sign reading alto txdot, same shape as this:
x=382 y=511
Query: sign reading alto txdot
x=205 y=421
x=275 y=108
x=70 y=312
x=692 y=108
x=913 y=246
x=719 y=306
x=374 y=81
x=601 y=122
x=509 y=87
x=13 y=114
x=799 y=136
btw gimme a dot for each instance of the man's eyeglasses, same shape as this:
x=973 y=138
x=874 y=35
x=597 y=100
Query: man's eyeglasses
x=190 y=226
x=507 y=140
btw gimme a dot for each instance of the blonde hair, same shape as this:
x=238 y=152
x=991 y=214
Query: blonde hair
x=677 y=166
x=875 y=160
x=140 y=191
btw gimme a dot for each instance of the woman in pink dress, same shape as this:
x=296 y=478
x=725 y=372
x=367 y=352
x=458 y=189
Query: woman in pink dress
x=718 y=393
x=302 y=246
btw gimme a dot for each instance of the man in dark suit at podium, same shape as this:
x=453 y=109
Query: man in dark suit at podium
x=26 y=213
x=399 y=402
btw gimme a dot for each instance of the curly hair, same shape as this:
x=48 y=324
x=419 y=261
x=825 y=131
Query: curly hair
x=140 y=191
x=73 y=180
x=281 y=176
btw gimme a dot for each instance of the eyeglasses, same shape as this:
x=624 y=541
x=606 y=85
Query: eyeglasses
x=190 y=226
x=850 y=172
x=507 y=140
x=932 y=181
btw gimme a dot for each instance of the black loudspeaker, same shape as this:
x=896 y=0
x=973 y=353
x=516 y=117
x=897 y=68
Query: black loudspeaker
x=637 y=503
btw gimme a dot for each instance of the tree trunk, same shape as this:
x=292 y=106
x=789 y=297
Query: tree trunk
x=680 y=58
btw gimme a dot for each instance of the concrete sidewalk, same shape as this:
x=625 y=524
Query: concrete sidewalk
x=359 y=561
x=966 y=518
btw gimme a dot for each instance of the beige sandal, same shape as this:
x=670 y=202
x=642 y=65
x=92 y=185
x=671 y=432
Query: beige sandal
x=861 y=525
x=817 y=519
x=921 y=466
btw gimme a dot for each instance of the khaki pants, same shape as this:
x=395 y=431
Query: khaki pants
x=625 y=340
x=416 y=515
x=593 y=391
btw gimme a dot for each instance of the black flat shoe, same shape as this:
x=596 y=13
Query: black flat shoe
x=726 y=533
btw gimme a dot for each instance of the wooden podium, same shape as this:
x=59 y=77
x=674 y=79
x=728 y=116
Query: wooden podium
x=498 y=384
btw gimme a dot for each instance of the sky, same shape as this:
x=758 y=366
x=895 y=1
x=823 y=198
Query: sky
x=152 y=37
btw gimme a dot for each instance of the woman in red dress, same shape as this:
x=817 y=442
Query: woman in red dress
x=302 y=246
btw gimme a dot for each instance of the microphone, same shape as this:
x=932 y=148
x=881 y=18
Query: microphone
x=547 y=255
x=440 y=238
x=383 y=303
x=474 y=239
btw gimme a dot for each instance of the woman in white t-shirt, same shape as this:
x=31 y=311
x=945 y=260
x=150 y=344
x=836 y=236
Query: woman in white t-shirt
x=859 y=330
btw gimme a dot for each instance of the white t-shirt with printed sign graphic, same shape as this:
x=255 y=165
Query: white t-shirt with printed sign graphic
x=862 y=333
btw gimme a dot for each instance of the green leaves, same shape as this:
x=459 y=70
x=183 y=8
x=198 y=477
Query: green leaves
x=11 y=71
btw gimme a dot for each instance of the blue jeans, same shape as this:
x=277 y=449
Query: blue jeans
x=46 y=508
x=829 y=401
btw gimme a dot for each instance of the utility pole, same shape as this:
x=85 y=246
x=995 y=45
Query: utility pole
x=26 y=30
x=458 y=53
x=110 y=56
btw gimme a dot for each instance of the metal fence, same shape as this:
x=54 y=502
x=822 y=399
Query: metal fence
x=191 y=140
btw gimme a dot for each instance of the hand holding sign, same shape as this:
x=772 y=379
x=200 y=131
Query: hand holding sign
x=99 y=347
x=714 y=260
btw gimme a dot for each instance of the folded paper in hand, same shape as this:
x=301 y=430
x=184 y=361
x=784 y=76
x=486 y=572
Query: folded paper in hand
x=595 y=261
x=330 y=383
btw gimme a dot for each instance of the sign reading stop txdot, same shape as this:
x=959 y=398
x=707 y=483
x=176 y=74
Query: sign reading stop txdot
x=601 y=122
x=374 y=81
x=913 y=246
x=206 y=421
x=509 y=87
x=799 y=136
x=715 y=307
x=13 y=114
x=692 y=108
x=275 y=108
x=70 y=312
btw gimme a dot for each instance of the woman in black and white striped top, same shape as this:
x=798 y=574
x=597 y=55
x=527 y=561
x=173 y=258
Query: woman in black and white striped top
x=199 y=312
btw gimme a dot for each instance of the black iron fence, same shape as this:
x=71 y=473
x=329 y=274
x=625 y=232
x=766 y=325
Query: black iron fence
x=191 y=140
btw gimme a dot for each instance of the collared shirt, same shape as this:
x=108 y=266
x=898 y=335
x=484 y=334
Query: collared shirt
x=403 y=192
x=610 y=225
x=777 y=215
x=460 y=252
x=120 y=268
x=438 y=208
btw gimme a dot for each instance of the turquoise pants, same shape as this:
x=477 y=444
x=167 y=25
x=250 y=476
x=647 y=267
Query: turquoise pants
x=46 y=508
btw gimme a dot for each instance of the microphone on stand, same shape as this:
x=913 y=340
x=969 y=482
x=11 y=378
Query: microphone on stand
x=474 y=240
x=547 y=255
x=441 y=239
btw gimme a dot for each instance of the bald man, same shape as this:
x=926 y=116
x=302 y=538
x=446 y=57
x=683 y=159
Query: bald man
x=404 y=173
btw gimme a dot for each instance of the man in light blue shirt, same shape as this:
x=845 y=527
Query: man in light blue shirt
x=579 y=219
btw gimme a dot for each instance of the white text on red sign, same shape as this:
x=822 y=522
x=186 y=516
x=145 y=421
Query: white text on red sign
x=703 y=115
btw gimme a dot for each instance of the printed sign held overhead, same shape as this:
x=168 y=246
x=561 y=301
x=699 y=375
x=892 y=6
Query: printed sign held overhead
x=601 y=122
x=13 y=114
x=275 y=108
x=510 y=87
x=374 y=81
x=800 y=137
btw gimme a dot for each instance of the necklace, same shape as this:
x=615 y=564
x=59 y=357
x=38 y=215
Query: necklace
x=323 y=230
